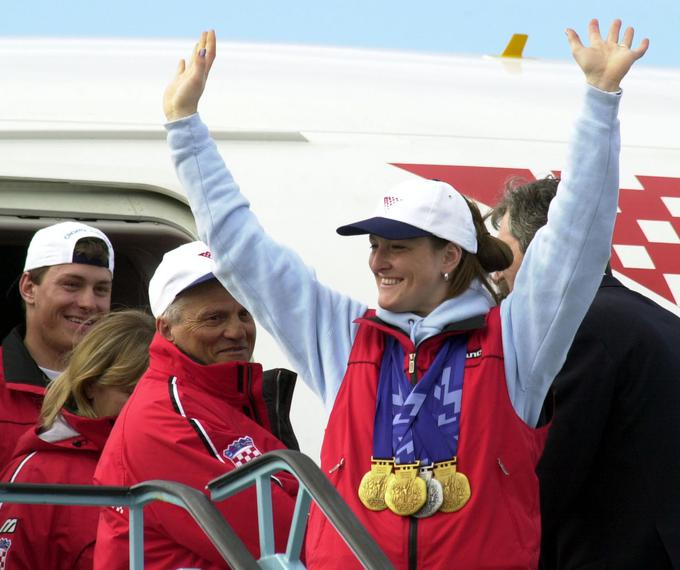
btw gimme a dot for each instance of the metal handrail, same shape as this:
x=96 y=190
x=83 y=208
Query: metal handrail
x=314 y=485
x=205 y=513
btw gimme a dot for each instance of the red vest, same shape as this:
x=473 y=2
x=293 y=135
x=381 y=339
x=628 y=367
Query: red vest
x=500 y=526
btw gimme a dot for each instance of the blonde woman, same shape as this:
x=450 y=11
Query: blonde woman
x=78 y=412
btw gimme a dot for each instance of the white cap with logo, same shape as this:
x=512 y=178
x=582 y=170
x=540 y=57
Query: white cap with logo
x=54 y=245
x=181 y=268
x=419 y=208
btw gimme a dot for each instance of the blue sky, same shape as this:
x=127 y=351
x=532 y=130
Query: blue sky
x=476 y=27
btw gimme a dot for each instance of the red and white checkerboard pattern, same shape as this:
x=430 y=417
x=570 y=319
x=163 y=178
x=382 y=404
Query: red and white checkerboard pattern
x=5 y=544
x=245 y=455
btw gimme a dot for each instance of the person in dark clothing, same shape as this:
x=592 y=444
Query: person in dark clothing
x=65 y=285
x=609 y=473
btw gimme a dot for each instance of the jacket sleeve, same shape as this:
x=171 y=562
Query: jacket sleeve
x=312 y=323
x=564 y=263
x=584 y=394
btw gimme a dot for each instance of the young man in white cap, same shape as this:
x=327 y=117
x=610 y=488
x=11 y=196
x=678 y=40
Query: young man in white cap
x=199 y=411
x=65 y=285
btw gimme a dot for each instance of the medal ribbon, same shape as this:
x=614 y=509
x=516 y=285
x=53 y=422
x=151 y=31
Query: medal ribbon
x=422 y=421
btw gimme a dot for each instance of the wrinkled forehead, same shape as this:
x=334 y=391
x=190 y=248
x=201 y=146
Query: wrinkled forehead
x=207 y=296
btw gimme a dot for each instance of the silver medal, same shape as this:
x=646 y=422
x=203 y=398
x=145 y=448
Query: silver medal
x=435 y=494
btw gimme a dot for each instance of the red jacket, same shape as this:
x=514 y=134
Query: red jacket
x=500 y=526
x=53 y=537
x=188 y=423
x=22 y=388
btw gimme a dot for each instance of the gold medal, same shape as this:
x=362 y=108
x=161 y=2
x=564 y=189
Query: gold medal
x=456 y=486
x=372 y=486
x=405 y=492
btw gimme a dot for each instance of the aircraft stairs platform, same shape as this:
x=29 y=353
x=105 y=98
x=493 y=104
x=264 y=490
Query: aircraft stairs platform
x=313 y=486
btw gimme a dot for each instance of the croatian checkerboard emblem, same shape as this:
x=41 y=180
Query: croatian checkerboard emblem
x=646 y=241
x=241 y=451
x=5 y=543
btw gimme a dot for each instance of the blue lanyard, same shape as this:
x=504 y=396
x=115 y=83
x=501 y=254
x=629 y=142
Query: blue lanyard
x=422 y=421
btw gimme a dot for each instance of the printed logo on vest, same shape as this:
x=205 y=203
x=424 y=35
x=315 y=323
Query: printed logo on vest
x=9 y=526
x=474 y=354
x=5 y=543
x=241 y=451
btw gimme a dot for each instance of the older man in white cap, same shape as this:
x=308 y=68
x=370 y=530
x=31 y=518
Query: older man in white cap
x=65 y=285
x=199 y=411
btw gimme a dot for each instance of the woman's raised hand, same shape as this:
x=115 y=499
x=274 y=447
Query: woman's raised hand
x=607 y=60
x=184 y=91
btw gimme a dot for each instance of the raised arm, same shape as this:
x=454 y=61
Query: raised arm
x=183 y=93
x=312 y=323
x=606 y=61
x=564 y=263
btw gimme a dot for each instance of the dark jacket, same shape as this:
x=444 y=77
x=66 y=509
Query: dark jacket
x=22 y=387
x=610 y=473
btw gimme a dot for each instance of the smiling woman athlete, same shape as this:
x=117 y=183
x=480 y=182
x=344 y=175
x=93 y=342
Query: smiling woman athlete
x=434 y=397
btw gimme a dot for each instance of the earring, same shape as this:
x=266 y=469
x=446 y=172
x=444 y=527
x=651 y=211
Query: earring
x=446 y=276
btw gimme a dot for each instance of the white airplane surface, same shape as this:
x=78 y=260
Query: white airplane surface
x=313 y=135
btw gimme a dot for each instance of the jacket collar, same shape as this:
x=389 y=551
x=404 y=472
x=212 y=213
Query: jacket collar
x=18 y=364
x=86 y=434
x=472 y=304
x=221 y=380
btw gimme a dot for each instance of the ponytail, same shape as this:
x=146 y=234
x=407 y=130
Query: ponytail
x=492 y=255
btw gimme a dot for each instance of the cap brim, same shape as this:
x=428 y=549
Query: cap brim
x=202 y=279
x=384 y=228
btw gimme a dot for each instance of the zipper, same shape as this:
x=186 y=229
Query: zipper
x=337 y=466
x=249 y=391
x=502 y=466
x=412 y=543
x=413 y=374
x=277 y=406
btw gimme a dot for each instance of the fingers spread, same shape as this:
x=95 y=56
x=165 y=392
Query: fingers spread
x=574 y=39
x=614 y=30
x=594 y=31
x=628 y=37
x=642 y=48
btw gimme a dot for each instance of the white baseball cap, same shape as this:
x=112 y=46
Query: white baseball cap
x=419 y=208
x=181 y=268
x=54 y=245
